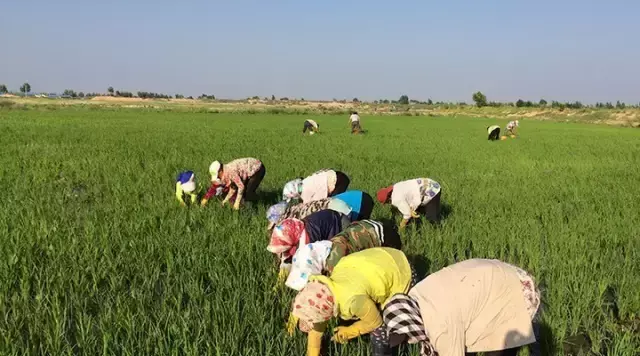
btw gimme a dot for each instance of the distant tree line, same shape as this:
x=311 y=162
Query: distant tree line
x=150 y=95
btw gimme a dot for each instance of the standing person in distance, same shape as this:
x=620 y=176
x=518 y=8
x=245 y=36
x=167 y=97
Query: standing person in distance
x=310 y=125
x=242 y=176
x=494 y=132
x=354 y=121
x=410 y=197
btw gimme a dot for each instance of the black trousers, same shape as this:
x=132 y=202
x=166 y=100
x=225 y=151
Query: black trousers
x=252 y=184
x=366 y=207
x=432 y=209
x=495 y=134
x=307 y=126
x=342 y=183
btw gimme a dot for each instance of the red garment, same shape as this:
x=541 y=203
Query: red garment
x=384 y=193
x=214 y=187
x=239 y=171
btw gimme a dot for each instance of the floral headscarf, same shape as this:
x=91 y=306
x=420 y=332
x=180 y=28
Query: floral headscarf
x=292 y=190
x=309 y=260
x=275 y=212
x=314 y=304
x=286 y=237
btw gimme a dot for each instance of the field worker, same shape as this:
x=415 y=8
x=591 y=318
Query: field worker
x=242 y=176
x=310 y=125
x=361 y=203
x=186 y=185
x=292 y=190
x=494 y=132
x=472 y=306
x=281 y=211
x=290 y=234
x=360 y=283
x=354 y=120
x=413 y=196
x=512 y=127
x=323 y=184
x=322 y=257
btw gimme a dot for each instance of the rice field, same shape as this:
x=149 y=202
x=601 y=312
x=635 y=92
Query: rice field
x=97 y=257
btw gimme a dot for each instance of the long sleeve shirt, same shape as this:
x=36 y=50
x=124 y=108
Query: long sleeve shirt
x=239 y=171
x=407 y=196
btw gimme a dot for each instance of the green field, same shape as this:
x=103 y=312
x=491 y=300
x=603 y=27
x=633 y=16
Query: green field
x=98 y=258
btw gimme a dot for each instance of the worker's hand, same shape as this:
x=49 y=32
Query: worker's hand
x=342 y=334
x=404 y=223
x=183 y=203
x=236 y=206
x=414 y=214
x=224 y=202
x=203 y=203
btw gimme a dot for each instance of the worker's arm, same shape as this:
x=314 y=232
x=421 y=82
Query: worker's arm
x=314 y=339
x=179 y=193
x=369 y=319
x=230 y=194
x=210 y=192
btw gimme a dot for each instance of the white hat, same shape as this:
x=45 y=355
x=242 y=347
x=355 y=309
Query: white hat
x=214 y=168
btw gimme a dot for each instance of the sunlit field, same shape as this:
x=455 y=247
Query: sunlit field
x=97 y=257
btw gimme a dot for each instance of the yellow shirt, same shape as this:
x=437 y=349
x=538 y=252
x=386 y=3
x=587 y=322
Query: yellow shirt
x=374 y=274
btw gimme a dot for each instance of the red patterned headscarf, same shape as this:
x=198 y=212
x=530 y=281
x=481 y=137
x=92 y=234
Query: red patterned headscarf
x=314 y=304
x=286 y=237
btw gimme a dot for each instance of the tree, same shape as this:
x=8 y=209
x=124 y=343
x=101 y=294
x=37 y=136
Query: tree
x=273 y=97
x=620 y=105
x=3 y=89
x=25 y=88
x=81 y=94
x=69 y=92
x=179 y=96
x=355 y=100
x=480 y=99
x=110 y=90
x=519 y=103
x=429 y=102
x=542 y=102
x=404 y=100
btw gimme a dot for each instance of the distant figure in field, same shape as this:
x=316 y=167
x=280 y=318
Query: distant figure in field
x=494 y=132
x=323 y=184
x=186 y=186
x=477 y=305
x=310 y=125
x=410 y=197
x=512 y=127
x=241 y=176
x=354 y=120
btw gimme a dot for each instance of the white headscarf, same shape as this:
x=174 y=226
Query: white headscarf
x=309 y=260
x=214 y=168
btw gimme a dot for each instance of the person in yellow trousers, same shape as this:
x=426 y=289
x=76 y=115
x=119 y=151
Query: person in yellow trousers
x=186 y=186
x=358 y=284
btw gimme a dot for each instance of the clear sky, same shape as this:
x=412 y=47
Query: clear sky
x=445 y=50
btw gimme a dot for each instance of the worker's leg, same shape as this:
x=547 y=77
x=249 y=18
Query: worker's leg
x=380 y=342
x=253 y=182
x=342 y=183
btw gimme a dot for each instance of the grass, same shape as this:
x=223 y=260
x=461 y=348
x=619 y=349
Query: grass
x=96 y=256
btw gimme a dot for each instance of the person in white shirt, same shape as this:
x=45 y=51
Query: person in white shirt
x=410 y=197
x=323 y=184
x=354 y=120
x=512 y=127
x=310 y=125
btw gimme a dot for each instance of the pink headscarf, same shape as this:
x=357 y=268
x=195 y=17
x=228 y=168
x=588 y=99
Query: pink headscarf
x=286 y=237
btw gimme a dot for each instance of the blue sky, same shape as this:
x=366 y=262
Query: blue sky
x=444 y=50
